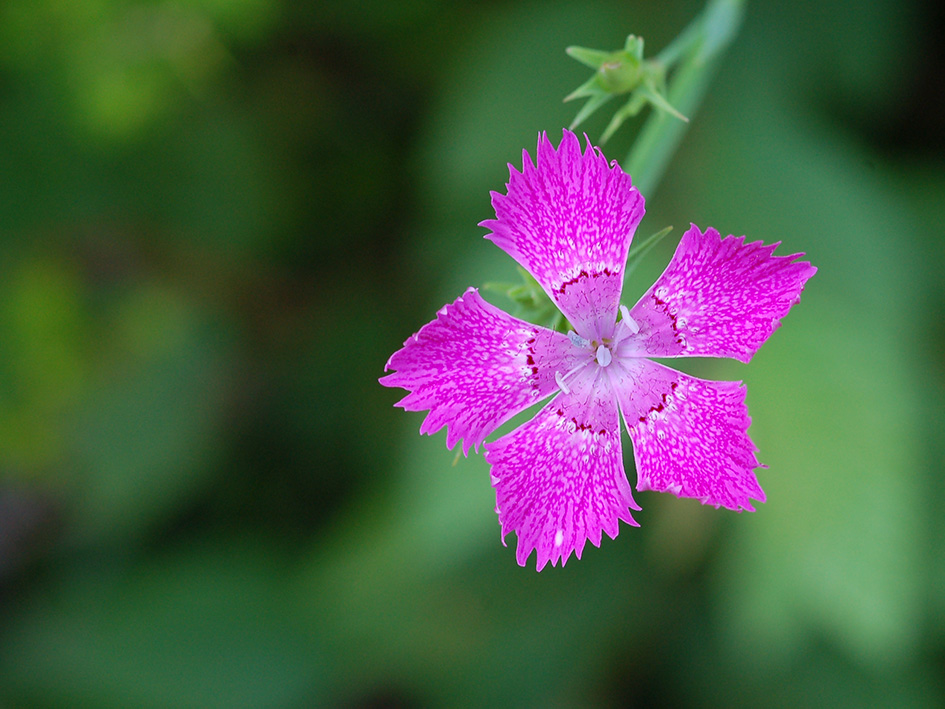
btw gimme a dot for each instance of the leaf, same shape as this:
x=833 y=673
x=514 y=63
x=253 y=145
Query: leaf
x=145 y=437
x=210 y=625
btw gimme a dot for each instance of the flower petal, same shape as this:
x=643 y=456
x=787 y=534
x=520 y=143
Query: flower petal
x=475 y=367
x=559 y=478
x=717 y=298
x=690 y=436
x=569 y=222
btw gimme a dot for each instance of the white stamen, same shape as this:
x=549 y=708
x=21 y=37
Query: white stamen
x=577 y=339
x=628 y=321
x=603 y=356
x=560 y=380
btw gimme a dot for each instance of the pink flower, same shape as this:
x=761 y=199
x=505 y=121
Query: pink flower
x=559 y=477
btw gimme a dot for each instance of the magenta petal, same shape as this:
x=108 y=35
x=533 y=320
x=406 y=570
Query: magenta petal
x=717 y=298
x=475 y=367
x=569 y=222
x=559 y=478
x=690 y=436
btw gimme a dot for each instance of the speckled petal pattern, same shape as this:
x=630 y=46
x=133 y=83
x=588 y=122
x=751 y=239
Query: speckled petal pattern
x=569 y=222
x=690 y=436
x=559 y=478
x=475 y=367
x=717 y=298
x=569 y=219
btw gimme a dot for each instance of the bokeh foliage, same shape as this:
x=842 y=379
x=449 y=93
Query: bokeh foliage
x=219 y=218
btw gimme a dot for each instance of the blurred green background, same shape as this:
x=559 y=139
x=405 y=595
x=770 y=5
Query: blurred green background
x=219 y=218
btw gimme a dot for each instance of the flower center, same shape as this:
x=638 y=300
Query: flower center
x=604 y=357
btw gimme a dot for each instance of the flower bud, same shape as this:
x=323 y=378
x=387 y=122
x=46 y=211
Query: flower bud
x=620 y=74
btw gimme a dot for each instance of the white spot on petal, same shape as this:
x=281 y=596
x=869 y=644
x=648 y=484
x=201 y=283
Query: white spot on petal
x=559 y=538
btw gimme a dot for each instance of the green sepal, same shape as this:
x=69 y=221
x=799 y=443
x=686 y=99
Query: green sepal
x=588 y=108
x=628 y=110
x=588 y=88
x=659 y=101
x=634 y=46
x=588 y=57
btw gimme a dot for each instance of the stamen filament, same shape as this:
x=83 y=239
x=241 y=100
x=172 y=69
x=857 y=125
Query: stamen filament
x=562 y=379
x=561 y=383
x=627 y=321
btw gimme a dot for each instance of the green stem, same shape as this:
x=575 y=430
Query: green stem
x=700 y=47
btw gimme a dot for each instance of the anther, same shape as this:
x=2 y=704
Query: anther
x=577 y=339
x=603 y=356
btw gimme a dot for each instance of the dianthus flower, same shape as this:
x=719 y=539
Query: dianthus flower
x=559 y=477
